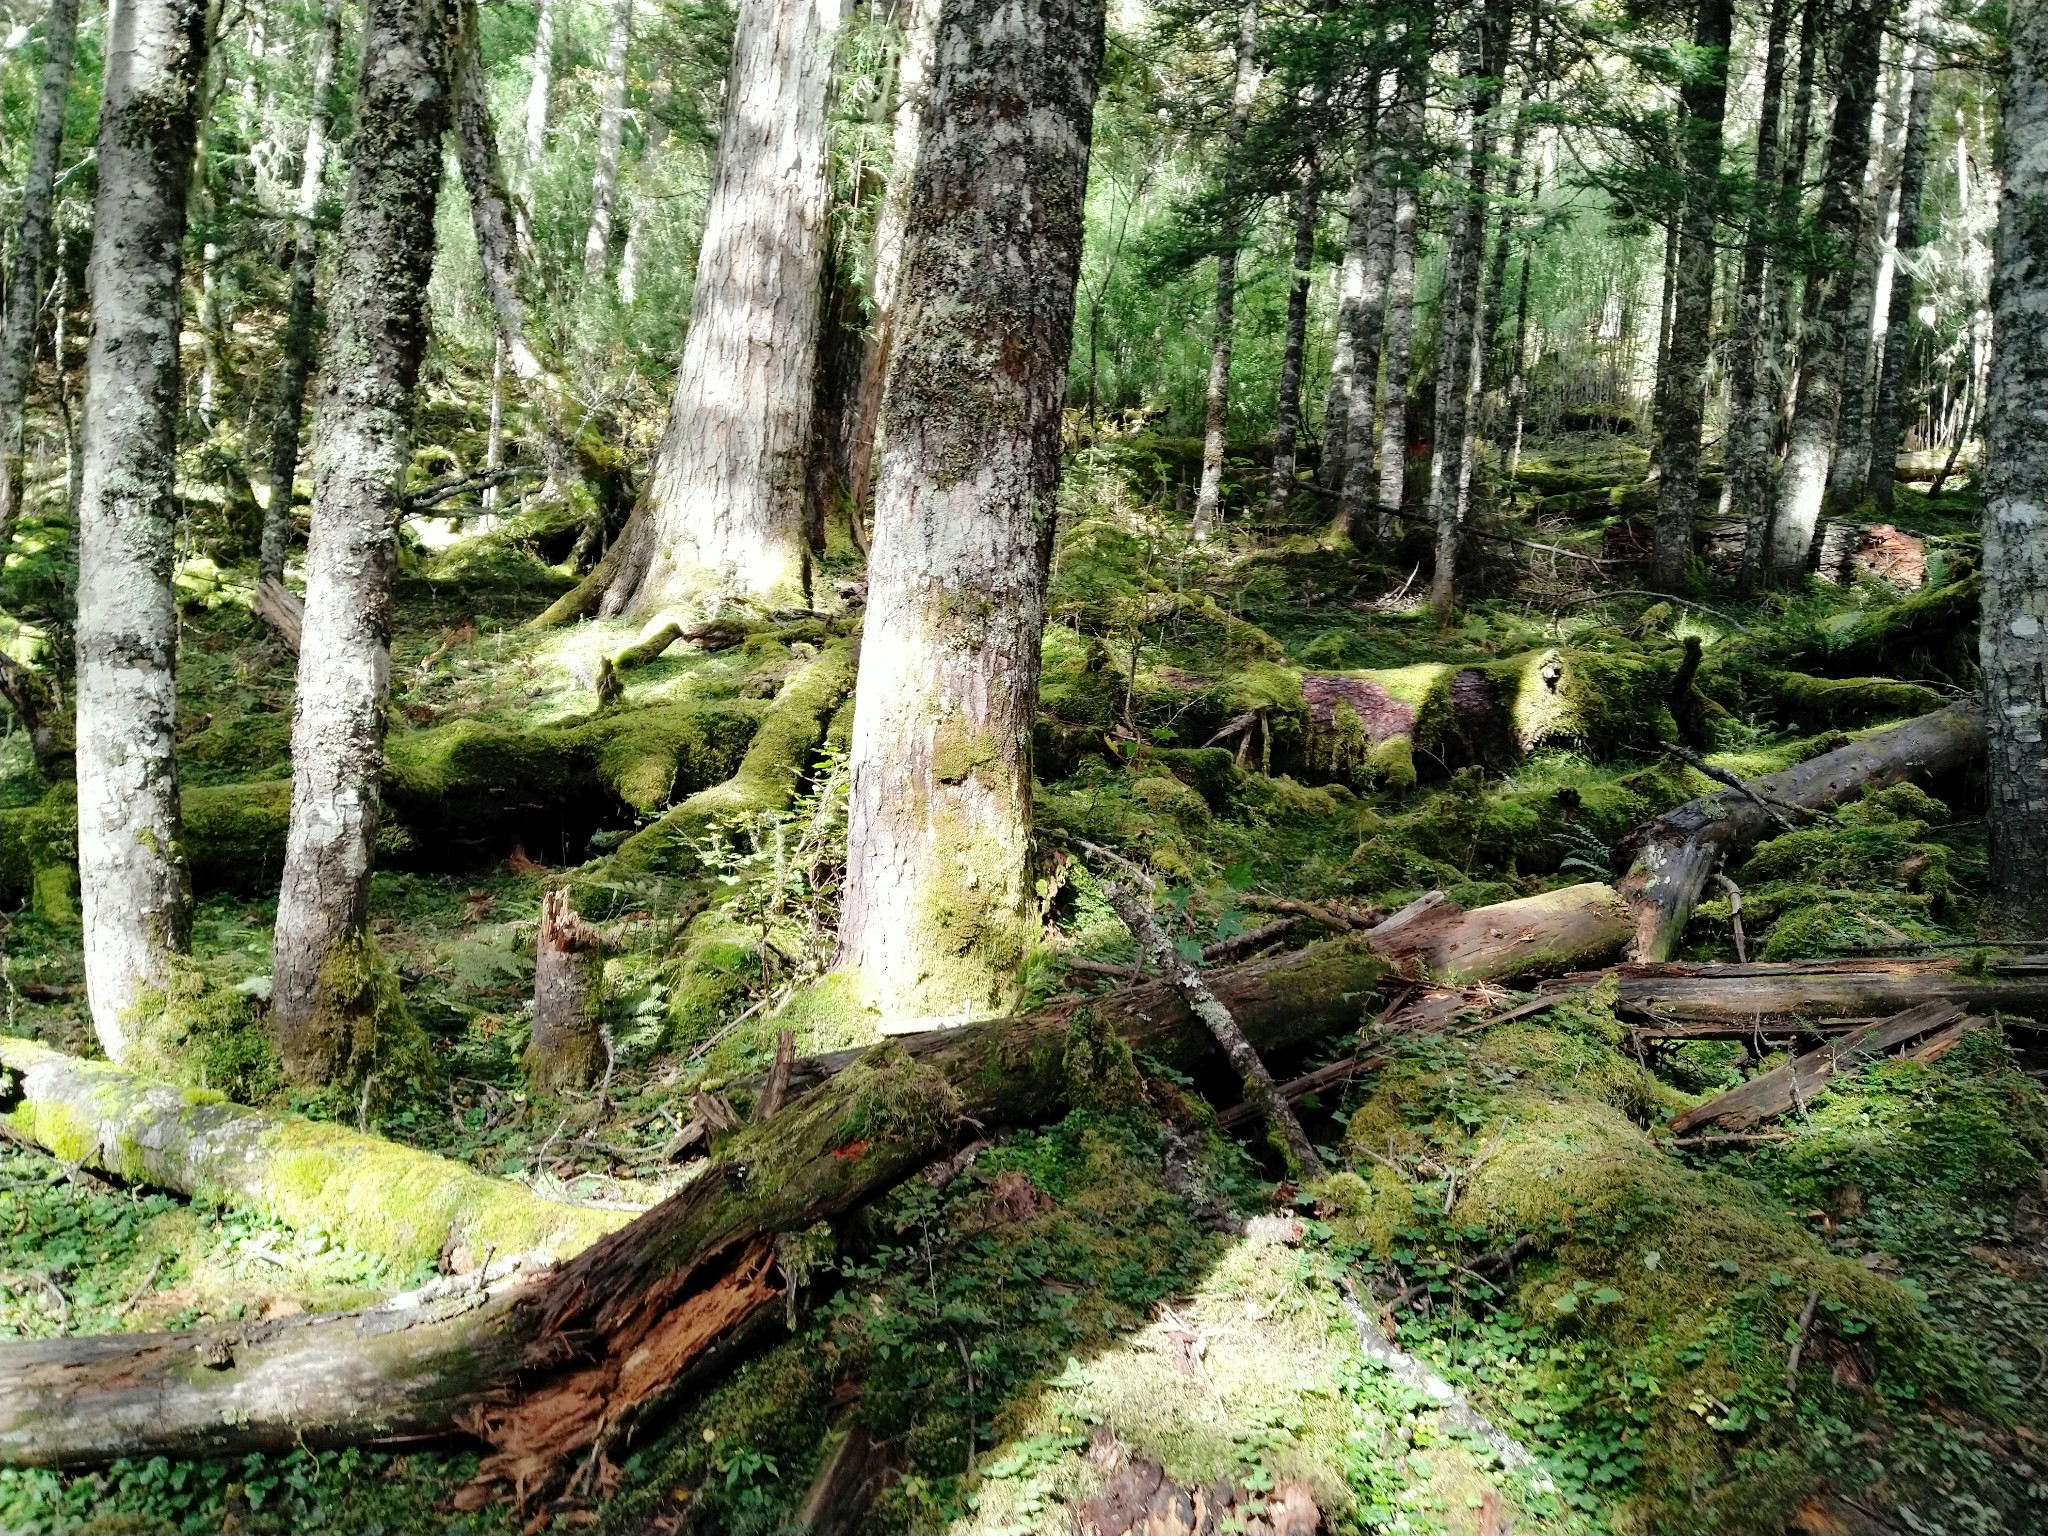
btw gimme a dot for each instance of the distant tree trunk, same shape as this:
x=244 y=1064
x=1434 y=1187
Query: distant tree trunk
x=328 y=1000
x=539 y=85
x=1462 y=253
x=1746 y=459
x=31 y=241
x=1657 y=370
x=726 y=508
x=1358 y=431
x=1393 y=397
x=913 y=69
x=611 y=118
x=1287 y=413
x=2013 y=637
x=1486 y=324
x=297 y=347
x=1779 y=281
x=137 y=899
x=1887 y=407
x=939 y=911
x=1361 y=316
x=1824 y=314
x=1692 y=312
x=1216 y=406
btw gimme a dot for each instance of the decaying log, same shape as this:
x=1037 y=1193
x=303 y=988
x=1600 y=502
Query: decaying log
x=1771 y=994
x=568 y=998
x=1791 y=1086
x=282 y=609
x=1672 y=858
x=1535 y=936
x=408 y=1207
x=644 y=651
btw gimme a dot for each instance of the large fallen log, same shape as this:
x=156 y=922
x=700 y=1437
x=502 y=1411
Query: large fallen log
x=1773 y=993
x=552 y=1369
x=1672 y=858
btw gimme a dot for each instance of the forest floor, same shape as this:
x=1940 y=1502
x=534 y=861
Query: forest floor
x=1017 y=1331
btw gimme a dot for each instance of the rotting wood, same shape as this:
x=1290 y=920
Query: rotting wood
x=777 y=1088
x=281 y=609
x=1535 y=935
x=1769 y=995
x=568 y=995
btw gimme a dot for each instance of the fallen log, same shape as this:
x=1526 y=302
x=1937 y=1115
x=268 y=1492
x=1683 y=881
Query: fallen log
x=552 y=1370
x=1534 y=936
x=1791 y=1086
x=1672 y=858
x=1764 y=994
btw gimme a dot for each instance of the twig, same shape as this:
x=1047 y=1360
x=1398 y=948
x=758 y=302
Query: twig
x=1107 y=855
x=142 y=1290
x=1730 y=1138
x=1799 y=1343
x=1723 y=776
x=1735 y=917
x=439 y=491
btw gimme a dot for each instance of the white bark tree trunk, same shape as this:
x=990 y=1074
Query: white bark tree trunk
x=326 y=988
x=137 y=900
x=1393 y=398
x=539 y=84
x=31 y=241
x=611 y=118
x=940 y=911
x=1365 y=214
x=1887 y=403
x=2013 y=643
x=1308 y=199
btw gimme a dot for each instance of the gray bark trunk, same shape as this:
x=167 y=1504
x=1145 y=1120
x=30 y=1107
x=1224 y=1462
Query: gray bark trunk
x=1287 y=413
x=298 y=330
x=1692 y=311
x=1400 y=328
x=611 y=118
x=1216 y=405
x=1824 y=313
x=1887 y=405
x=2013 y=639
x=491 y=207
x=137 y=902
x=940 y=910
x=31 y=240
x=540 y=82
x=325 y=987
x=1358 y=432
x=1362 y=215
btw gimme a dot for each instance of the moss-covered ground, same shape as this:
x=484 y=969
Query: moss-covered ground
x=1636 y=1339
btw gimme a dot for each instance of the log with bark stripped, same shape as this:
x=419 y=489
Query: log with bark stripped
x=1773 y=993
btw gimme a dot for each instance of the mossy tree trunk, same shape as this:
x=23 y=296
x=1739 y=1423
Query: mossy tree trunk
x=327 y=996
x=1839 y=228
x=1887 y=404
x=1705 y=95
x=297 y=345
x=1216 y=402
x=2013 y=637
x=31 y=242
x=940 y=908
x=137 y=900
x=1308 y=201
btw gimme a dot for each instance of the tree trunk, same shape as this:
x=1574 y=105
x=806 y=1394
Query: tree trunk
x=913 y=69
x=611 y=119
x=1353 y=436
x=1830 y=281
x=726 y=508
x=939 y=910
x=568 y=999
x=31 y=241
x=1393 y=397
x=540 y=82
x=1887 y=407
x=1692 y=313
x=330 y=997
x=1364 y=215
x=1287 y=413
x=1771 y=996
x=297 y=345
x=1671 y=858
x=137 y=902
x=1216 y=407
x=2013 y=637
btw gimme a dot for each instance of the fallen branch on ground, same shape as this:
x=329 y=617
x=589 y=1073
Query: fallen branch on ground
x=1779 y=994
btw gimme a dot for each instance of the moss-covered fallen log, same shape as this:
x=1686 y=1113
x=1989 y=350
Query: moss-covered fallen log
x=545 y=1368
x=407 y=1207
x=1766 y=995
x=1671 y=858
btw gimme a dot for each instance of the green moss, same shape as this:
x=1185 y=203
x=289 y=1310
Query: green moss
x=377 y=1046
x=205 y=1036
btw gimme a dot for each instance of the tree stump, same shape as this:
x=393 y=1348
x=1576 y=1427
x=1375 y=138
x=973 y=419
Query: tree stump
x=568 y=996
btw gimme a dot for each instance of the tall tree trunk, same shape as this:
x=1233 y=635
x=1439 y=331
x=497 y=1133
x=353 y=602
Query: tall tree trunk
x=913 y=69
x=540 y=83
x=939 y=911
x=1462 y=253
x=1745 y=461
x=726 y=508
x=1363 y=212
x=1486 y=324
x=330 y=996
x=137 y=899
x=1400 y=325
x=611 y=118
x=298 y=328
x=1349 y=418
x=1308 y=200
x=31 y=241
x=1887 y=406
x=1824 y=314
x=2013 y=637
x=1216 y=405
x=1692 y=311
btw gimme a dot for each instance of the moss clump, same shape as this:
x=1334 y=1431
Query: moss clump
x=254 y=745
x=374 y=1045
x=1099 y=1069
x=196 y=1032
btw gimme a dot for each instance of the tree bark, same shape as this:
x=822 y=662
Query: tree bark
x=611 y=118
x=1352 y=436
x=1672 y=858
x=31 y=242
x=1216 y=406
x=326 y=989
x=1830 y=281
x=1364 y=214
x=137 y=903
x=1887 y=406
x=939 y=910
x=1684 y=370
x=1393 y=398
x=726 y=509
x=1287 y=412
x=1772 y=995
x=2013 y=636
x=539 y=83
x=568 y=985
x=297 y=344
